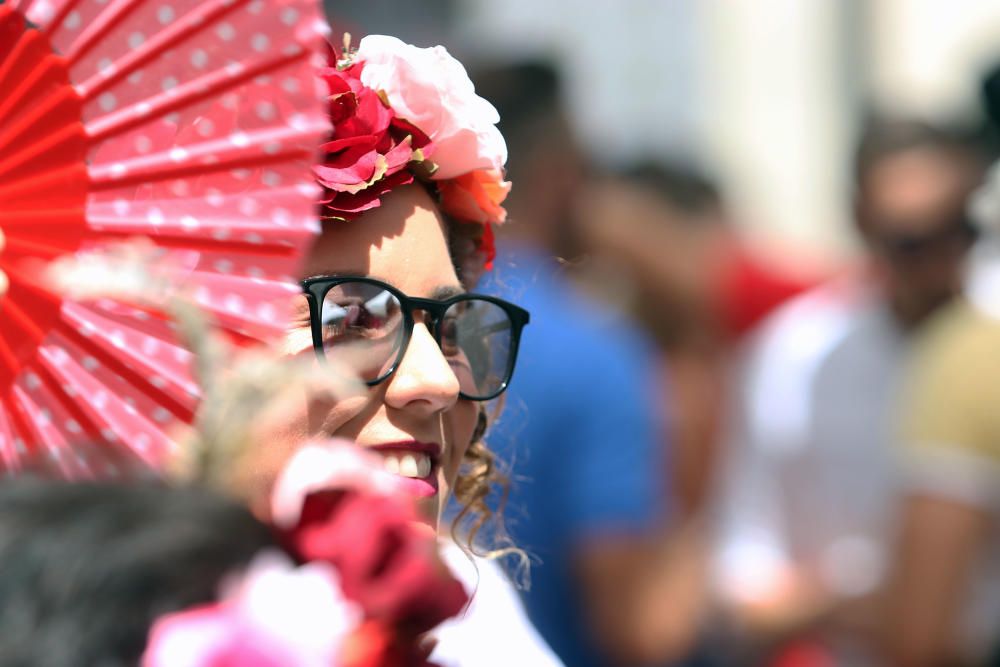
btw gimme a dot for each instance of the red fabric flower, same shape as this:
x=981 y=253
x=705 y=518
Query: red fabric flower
x=370 y=149
x=387 y=562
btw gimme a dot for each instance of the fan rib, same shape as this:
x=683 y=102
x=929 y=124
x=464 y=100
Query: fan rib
x=49 y=65
x=18 y=55
x=8 y=361
x=103 y=179
x=115 y=364
x=22 y=246
x=203 y=16
x=41 y=113
x=16 y=316
x=46 y=371
x=57 y=180
x=40 y=220
x=22 y=6
x=8 y=447
x=198 y=90
x=36 y=426
x=43 y=148
x=99 y=28
x=57 y=20
x=20 y=423
x=180 y=241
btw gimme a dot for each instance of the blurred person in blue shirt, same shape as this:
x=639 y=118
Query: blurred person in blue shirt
x=581 y=429
x=584 y=445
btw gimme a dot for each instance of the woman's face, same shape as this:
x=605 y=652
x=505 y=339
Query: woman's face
x=414 y=417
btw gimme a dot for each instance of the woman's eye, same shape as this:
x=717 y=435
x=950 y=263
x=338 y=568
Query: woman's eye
x=353 y=320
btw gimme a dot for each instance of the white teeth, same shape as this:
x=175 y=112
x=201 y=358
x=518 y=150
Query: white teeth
x=416 y=464
x=408 y=466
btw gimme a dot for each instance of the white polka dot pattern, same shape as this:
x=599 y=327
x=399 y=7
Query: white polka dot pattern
x=205 y=118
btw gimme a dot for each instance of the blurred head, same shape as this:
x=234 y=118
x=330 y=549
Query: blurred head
x=657 y=232
x=546 y=162
x=913 y=182
x=88 y=567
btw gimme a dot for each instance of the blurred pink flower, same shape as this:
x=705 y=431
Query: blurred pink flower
x=275 y=615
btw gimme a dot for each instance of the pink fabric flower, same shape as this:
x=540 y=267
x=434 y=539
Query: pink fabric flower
x=277 y=615
x=432 y=90
x=324 y=465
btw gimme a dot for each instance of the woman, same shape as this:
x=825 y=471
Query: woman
x=413 y=179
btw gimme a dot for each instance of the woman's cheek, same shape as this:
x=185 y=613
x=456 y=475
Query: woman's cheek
x=279 y=433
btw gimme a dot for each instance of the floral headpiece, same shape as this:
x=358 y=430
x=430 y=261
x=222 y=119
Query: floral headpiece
x=402 y=113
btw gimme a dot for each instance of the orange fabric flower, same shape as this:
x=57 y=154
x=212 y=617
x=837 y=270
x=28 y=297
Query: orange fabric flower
x=475 y=197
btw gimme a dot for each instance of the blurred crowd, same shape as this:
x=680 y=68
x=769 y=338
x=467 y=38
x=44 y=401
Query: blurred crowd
x=722 y=458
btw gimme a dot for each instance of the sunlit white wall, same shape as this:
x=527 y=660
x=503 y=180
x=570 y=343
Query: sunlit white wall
x=748 y=88
x=629 y=65
x=767 y=93
x=927 y=55
x=782 y=113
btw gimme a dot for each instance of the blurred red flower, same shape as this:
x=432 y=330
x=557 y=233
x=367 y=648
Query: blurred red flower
x=388 y=564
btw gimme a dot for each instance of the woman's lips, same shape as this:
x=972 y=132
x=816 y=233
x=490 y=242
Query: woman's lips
x=414 y=462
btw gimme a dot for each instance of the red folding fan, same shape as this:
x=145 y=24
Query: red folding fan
x=191 y=122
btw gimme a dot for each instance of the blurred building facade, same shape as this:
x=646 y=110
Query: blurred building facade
x=767 y=95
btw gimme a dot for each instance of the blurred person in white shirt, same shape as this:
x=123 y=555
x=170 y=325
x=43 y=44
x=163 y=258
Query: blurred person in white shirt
x=805 y=510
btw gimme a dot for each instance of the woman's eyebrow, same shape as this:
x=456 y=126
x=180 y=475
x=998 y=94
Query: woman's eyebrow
x=440 y=293
x=446 y=292
x=340 y=273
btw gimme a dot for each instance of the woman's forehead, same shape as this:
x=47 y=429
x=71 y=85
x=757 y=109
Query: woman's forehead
x=403 y=242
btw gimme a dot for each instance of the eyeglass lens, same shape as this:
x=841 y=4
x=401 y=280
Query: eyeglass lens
x=363 y=327
x=475 y=336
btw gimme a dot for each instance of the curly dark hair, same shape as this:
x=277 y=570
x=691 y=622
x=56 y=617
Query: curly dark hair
x=483 y=484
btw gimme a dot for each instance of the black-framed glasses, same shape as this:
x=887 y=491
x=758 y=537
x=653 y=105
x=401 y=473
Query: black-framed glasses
x=367 y=324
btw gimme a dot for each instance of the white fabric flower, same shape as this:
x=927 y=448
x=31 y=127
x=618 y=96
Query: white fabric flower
x=432 y=90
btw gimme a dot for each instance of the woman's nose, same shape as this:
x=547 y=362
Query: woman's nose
x=424 y=380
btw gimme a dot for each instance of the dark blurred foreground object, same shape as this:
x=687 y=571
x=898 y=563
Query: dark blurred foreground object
x=990 y=96
x=107 y=574
x=87 y=567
